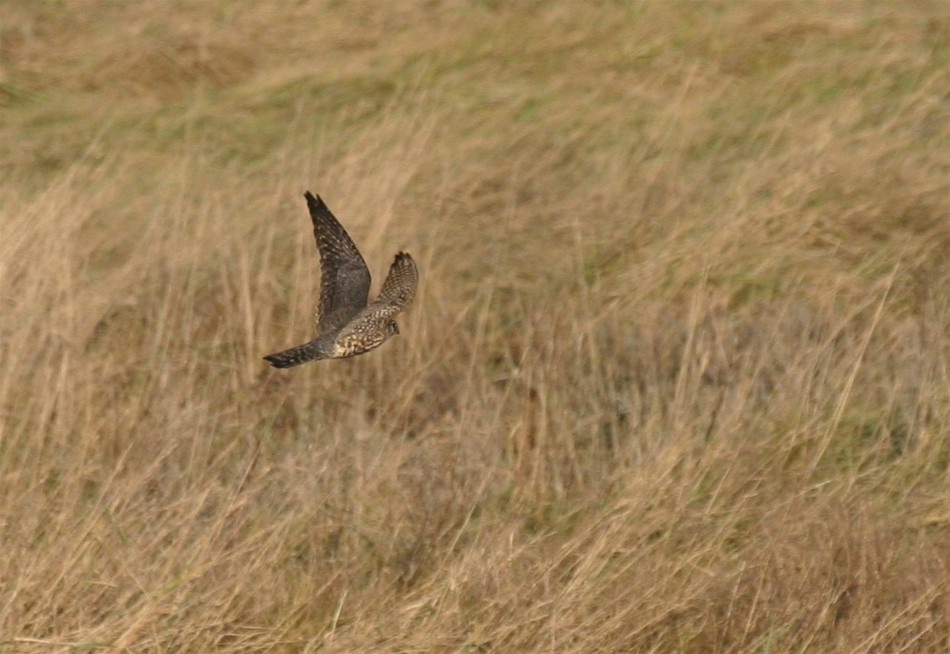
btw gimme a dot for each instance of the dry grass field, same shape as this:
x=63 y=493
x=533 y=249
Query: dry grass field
x=677 y=378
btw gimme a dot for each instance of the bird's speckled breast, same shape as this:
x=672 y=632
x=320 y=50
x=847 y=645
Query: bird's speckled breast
x=357 y=343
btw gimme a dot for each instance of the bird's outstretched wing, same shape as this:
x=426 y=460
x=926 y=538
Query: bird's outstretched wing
x=344 y=277
x=399 y=287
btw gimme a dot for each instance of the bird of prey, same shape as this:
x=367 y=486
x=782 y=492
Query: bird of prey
x=346 y=324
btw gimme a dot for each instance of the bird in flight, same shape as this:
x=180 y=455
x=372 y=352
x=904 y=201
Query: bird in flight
x=346 y=324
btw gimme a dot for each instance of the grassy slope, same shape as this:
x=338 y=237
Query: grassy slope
x=676 y=379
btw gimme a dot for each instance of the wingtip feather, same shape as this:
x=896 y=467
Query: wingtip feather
x=314 y=200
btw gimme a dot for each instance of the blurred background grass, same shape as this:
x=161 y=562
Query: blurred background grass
x=676 y=378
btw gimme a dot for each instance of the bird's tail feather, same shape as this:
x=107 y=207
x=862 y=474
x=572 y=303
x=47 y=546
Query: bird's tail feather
x=294 y=356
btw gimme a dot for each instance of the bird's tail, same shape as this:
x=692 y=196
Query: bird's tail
x=294 y=356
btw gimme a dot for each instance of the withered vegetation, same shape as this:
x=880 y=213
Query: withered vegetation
x=677 y=378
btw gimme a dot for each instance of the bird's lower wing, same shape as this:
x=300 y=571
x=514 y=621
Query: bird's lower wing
x=399 y=287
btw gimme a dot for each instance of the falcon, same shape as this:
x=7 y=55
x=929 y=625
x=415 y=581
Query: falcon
x=347 y=324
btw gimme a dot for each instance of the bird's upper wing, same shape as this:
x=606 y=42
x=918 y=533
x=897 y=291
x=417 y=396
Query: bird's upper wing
x=399 y=287
x=344 y=277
